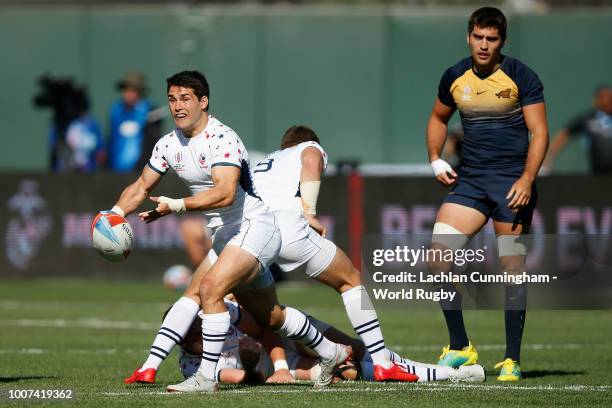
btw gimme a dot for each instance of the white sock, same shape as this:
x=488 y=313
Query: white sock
x=297 y=327
x=214 y=331
x=363 y=317
x=425 y=372
x=173 y=329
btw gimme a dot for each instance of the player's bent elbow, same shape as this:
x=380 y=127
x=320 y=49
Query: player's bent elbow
x=228 y=197
x=226 y=202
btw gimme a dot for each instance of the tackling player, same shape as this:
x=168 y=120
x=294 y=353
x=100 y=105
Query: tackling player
x=243 y=360
x=500 y=101
x=212 y=161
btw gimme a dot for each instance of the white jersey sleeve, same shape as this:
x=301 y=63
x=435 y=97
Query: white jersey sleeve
x=158 y=161
x=227 y=150
x=317 y=146
x=277 y=177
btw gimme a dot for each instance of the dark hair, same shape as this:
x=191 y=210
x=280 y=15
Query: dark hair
x=298 y=134
x=190 y=79
x=489 y=17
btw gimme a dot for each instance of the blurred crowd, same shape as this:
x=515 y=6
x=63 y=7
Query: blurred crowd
x=76 y=142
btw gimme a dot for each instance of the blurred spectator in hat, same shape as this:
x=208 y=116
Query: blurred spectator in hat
x=135 y=124
x=596 y=126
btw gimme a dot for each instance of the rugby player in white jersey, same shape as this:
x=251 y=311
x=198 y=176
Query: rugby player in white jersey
x=212 y=161
x=279 y=175
x=288 y=180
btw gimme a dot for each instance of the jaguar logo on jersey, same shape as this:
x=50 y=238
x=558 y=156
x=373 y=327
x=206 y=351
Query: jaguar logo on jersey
x=29 y=225
x=202 y=161
x=504 y=94
x=178 y=166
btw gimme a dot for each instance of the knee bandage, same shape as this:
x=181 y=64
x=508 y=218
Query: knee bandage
x=512 y=245
x=448 y=236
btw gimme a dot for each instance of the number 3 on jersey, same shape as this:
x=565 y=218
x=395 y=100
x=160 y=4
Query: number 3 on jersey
x=263 y=166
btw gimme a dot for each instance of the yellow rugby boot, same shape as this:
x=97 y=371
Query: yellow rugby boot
x=457 y=358
x=510 y=370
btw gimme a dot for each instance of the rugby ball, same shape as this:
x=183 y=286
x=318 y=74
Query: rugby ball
x=177 y=277
x=112 y=236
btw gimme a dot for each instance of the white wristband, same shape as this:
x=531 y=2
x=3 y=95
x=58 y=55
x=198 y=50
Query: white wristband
x=309 y=190
x=176 y=205
x=117 y=210
x=280 y=365
x=439 y=166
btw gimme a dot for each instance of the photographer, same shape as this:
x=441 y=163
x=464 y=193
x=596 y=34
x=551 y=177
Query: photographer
x=75 y=140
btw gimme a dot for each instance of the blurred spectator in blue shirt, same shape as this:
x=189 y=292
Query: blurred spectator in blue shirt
x=133 y=122
x=75 y=140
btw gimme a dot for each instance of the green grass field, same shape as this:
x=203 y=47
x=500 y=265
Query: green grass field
x=86 y=335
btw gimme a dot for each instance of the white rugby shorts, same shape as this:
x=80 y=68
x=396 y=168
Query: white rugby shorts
x=259 y=236
x=302 y=245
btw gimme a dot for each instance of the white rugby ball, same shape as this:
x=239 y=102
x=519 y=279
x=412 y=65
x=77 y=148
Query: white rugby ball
x=177 y=277
x=112 y=236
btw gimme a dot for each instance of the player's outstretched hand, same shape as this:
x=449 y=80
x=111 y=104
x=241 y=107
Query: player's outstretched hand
x=159 y=211
x=316 y=225
x=444 y=172
x=282 y=376
x=520 y=194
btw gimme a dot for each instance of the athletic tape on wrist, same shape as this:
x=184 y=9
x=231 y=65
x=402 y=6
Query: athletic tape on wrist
x=280 y=365
x=439 y=166
x=309 y=190
x=175 y=205
x=117 y=210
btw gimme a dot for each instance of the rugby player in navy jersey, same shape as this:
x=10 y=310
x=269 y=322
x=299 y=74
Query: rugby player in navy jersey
x=500 y=101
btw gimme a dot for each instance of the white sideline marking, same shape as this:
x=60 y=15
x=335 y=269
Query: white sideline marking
x=95 y=323
x=413 y=348
x=46 y=304
x=432 y=387
x=90 y=323
x=72 y=351
x=479 y=347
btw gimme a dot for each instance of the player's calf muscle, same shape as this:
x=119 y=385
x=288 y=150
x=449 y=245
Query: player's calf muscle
x=262 y=305
x=340 y=274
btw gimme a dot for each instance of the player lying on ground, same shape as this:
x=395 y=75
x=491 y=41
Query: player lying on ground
x=300 y=163
x=211 y=160
x=500 y=101
x=243 y=359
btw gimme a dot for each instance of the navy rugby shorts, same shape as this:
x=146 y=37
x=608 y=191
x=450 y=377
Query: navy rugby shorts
x=486 y=189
